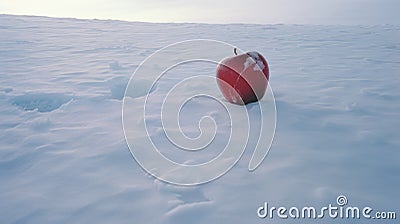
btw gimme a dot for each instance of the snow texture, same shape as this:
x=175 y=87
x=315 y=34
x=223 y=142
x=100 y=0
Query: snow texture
x=256 y=58
x=64 y=159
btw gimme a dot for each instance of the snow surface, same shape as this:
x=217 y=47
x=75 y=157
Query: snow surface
x=64 y=159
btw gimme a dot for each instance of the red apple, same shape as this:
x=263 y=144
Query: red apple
x=243 y=78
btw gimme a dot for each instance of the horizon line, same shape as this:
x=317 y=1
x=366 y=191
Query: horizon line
x=202 y=23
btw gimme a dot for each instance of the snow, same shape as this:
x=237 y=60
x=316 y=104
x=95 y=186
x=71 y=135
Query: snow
x=64 y=159
x=249 y=61
x=43 y=102
x=257 y=60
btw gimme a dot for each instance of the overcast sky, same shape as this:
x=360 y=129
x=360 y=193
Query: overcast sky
x=214 y=11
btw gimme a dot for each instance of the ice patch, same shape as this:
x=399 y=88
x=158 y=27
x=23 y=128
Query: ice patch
x=43 y=102
x=140 y=88
x=7 y=90
x=117 y=87
x=115 y=65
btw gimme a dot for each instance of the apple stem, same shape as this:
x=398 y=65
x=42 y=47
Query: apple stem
x=235 y=51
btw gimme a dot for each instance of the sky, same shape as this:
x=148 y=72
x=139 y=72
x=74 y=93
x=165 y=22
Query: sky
x=346 y=12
